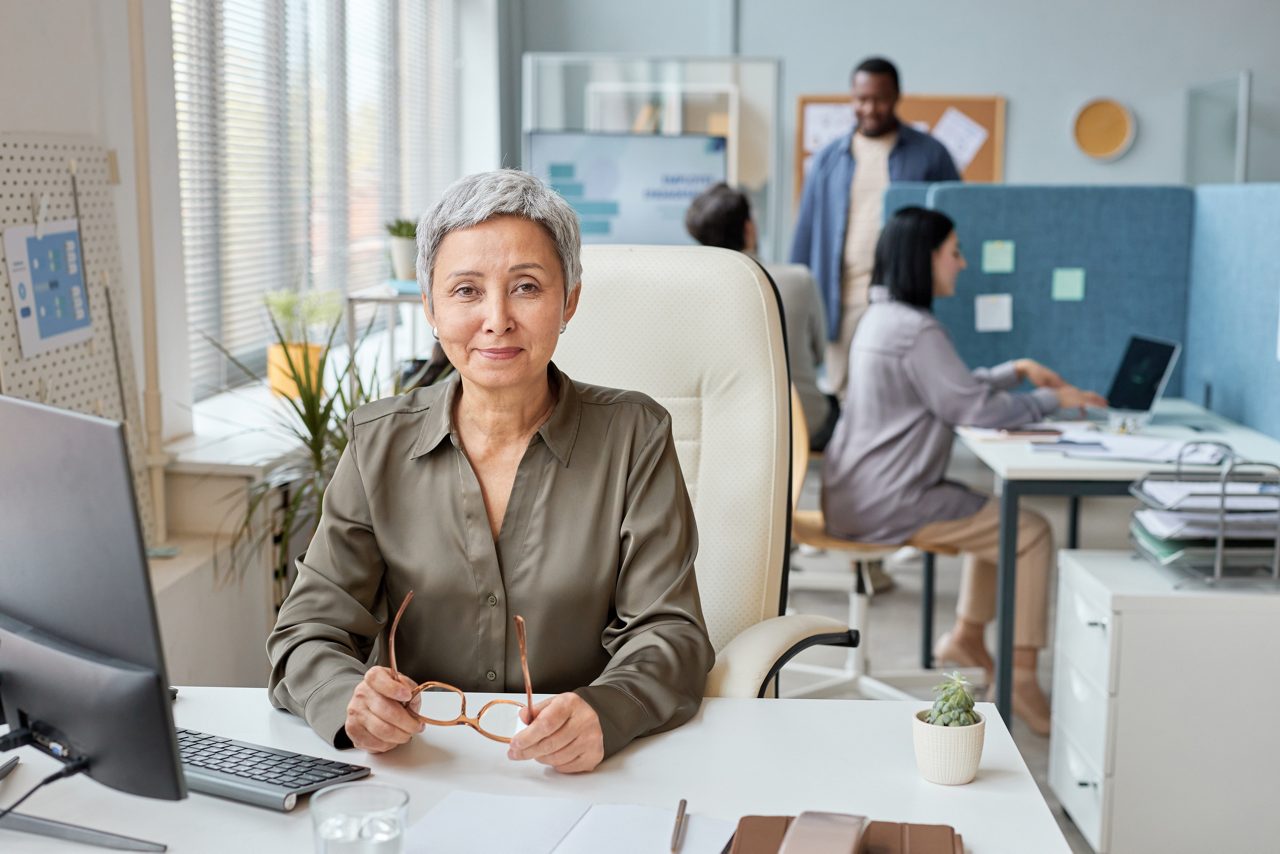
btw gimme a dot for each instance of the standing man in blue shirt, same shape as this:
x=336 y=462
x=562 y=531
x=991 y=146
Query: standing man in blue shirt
x=843 y=206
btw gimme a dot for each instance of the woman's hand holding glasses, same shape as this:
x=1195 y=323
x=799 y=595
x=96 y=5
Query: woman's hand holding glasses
x=383 y=711
x=565 y=734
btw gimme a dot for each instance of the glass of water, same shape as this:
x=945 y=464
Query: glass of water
x=359 y=818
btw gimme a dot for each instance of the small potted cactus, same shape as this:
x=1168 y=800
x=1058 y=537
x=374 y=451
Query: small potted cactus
x=948 y=737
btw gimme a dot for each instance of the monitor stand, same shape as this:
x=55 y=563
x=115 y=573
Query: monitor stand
x=75 y=833
x=36 y=826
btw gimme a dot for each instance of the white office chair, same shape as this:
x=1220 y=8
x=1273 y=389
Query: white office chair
x=700 y=331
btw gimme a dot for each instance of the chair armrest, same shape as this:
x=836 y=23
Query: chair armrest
x=749 y=662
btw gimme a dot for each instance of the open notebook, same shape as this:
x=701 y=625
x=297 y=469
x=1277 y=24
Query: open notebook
x=466 y=822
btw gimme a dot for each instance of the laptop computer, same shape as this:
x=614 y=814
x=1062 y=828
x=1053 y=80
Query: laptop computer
x=1139 y=381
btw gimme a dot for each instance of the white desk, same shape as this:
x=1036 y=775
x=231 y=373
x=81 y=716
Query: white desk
x=735 y=757
x=1019 y=470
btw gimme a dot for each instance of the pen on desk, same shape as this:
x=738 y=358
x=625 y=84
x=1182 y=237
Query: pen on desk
x=676 y=831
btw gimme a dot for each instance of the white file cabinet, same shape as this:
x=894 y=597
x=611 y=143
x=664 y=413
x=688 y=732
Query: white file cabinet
x=1166 y=709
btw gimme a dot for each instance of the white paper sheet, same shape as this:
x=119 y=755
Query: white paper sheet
x=993 y=312
x=466 y=822
x=630 y=829
x=961 y=135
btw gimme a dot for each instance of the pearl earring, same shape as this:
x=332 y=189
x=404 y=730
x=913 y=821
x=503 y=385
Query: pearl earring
x=563 y=327
x=435 y=334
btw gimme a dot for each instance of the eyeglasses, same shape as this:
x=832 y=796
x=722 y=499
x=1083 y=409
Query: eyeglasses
x=498 y=719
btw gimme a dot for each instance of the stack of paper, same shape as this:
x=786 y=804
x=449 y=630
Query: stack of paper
x=1172 y=525
x=1105 y=446
x=1184 y=518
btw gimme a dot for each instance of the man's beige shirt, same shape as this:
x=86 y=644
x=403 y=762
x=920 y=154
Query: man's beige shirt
x=862 y=230
x=596 y=552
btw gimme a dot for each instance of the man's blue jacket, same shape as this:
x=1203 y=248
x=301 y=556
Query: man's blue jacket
x=818 y=242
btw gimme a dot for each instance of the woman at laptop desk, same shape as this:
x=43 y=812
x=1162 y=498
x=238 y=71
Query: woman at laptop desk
x=509 y=490
x=883 y=474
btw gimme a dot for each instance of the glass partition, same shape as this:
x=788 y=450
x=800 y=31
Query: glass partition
x=732 y=98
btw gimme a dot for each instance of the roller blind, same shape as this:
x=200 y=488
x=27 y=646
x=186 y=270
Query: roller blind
x=303 y=126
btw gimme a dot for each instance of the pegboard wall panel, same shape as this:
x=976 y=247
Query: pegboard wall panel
x=80 y=376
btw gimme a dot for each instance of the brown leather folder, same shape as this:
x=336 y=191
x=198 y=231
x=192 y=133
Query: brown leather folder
x=763 y=834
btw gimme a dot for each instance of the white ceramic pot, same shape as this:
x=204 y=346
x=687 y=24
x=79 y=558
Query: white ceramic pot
x=948 y=755
x=404 y=258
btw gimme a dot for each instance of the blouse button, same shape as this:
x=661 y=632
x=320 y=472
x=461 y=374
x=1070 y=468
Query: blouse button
x=493 y=600
x=491 y=676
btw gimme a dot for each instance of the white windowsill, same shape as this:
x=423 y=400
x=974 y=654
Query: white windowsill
x=241 y=431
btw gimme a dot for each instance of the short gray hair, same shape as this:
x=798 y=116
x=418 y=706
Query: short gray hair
x=479 y=198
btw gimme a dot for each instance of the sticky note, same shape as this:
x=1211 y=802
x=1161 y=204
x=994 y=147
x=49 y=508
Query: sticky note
x=997 y=256
x=1068 y=284
x=993 y=312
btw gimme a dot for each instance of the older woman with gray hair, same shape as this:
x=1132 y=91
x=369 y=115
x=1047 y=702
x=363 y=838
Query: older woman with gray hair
x=511 y=489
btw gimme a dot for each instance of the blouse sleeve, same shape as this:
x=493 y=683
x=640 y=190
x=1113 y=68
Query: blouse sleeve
x=325 y=632
x=958 y=396
x=657 y=641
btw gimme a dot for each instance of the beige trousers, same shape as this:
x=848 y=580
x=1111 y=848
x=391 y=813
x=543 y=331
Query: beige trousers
x=837 y=356
x=978 y=537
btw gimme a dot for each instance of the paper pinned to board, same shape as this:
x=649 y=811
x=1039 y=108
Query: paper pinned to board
x=961 y=136
x=1068 y=284
x=997 y=256
x=993 y=312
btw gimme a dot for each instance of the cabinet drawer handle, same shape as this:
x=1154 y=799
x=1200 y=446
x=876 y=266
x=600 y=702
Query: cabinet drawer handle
x=1096 y=624
x=1086 y=784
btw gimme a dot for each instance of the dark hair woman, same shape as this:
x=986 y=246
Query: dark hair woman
x=884 y=469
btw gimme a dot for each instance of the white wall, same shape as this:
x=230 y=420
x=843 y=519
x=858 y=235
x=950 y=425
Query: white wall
x=65 y=67
x=1046 y=58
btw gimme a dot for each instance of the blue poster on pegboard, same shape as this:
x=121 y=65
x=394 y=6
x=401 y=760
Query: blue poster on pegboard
x=46 y=275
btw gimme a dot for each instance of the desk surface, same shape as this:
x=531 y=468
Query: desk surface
x=735 y=757
x=1011 y=459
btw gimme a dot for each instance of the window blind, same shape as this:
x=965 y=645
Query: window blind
x=303 y=126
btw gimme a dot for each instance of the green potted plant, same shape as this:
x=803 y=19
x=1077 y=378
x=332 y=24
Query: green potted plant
x=314 y=417
x=948 y=736
x=299 y=320
x=404 y=248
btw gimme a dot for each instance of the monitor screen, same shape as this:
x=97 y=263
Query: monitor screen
x=1143 y=372
x=628 y=188
x=81 y=663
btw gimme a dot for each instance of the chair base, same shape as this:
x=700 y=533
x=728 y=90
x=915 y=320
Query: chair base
x=856 y=672
x=893 y=685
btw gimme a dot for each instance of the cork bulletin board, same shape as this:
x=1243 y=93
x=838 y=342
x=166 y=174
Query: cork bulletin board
x=822 y=118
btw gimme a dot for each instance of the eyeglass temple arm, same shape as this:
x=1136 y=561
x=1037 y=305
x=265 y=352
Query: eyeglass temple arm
x=391 y=640
x=524 y=665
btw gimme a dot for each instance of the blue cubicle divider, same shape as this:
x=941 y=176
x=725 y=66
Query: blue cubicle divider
x=1234 y=307
x=1132 y=242
x=905 y=194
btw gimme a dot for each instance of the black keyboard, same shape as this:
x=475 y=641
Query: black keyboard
x=254 y=774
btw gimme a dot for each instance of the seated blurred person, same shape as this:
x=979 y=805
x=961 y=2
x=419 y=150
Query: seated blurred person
x=721 y=216
x=884 y=474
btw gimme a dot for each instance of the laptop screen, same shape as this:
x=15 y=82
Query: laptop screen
x=1143 y=372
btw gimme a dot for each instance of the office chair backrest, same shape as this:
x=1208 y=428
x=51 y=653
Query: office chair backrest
x=700 y=331
x=799 y=447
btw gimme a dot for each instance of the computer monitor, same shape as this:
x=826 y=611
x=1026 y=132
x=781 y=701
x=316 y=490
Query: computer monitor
x=1142 y=375
x=628 y=188
x=81 y=664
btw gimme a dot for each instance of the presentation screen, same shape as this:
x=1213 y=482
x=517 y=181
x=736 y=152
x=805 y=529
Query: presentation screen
x=628 y=188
